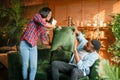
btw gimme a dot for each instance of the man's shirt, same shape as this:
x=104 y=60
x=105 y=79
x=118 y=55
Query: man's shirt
x=35 y=29
x=87 y=58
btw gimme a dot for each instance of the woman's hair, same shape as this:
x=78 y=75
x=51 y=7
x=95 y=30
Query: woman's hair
x=44 y=12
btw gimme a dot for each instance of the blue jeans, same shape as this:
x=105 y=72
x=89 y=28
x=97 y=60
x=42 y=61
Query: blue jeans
x=29 y=58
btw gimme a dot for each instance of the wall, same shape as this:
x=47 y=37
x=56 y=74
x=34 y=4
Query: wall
x=84 y=10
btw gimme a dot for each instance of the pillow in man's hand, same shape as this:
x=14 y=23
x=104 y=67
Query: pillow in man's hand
x=63 y=38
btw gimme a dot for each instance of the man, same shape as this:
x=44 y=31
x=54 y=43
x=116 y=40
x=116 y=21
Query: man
x=85 y=54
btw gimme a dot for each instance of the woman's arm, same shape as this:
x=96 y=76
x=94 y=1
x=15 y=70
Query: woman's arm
x=49 y=25
x=38 y=20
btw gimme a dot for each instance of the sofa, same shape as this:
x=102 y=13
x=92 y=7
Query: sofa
x=61 y=49
x=44 y=65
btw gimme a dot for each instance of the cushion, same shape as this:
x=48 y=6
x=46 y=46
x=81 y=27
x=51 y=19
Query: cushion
x=63 y=38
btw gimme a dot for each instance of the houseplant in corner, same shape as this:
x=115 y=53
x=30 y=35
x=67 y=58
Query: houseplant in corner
x=15 y=23
x=111 y=71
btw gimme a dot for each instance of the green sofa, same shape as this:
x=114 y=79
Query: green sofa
x=45 y=57
x=44 y=60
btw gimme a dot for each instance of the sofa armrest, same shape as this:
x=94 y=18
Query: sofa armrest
x=14 y=66
x=93 y=71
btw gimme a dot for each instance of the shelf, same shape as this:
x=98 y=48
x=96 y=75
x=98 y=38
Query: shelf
x=105 y=38
x=92 y=28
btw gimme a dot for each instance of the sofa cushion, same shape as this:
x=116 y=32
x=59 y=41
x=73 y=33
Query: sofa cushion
x=61 y=55
x=43 y=56
x=63 y=38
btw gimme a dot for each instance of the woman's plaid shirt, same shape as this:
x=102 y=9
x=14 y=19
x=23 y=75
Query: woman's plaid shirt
x=35 y=29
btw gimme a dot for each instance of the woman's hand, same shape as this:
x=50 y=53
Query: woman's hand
x=54 y=22
x=49 y=26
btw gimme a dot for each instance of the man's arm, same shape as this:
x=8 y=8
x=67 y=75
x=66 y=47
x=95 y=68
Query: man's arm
x=77 y=58
x=76 y=31
x=84 y=63
x=82 y=40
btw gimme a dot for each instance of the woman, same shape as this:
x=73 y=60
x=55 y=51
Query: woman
x=28 y=49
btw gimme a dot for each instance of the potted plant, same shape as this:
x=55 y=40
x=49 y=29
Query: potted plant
x=14 y=26
x=111 y=70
